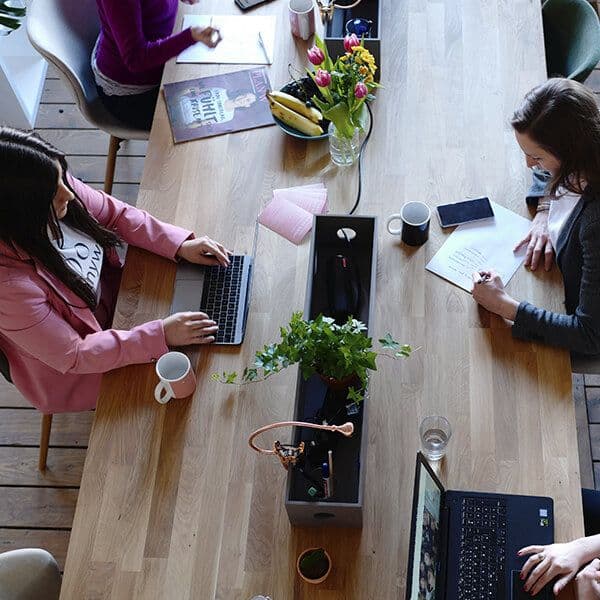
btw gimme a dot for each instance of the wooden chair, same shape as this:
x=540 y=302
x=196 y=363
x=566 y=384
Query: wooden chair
x=64 y=32
x=46 y=419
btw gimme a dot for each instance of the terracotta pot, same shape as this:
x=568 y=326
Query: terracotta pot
x=341 y=384
x=313 y=581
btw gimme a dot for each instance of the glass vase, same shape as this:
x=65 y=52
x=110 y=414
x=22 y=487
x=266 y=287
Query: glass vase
x=343 y=150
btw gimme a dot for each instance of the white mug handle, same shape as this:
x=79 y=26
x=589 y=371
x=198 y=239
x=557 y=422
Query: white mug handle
x=163 y=392
x=389 y=221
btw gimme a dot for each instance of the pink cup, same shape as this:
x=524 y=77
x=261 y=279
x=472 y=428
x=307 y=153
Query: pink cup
x=302 y=18
x=177 y=379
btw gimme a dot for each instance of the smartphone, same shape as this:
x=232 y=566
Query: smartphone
x=246 y=4
x=464 y=212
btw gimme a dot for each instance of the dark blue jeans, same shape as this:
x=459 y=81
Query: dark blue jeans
x=136 y=110
x=591 y=511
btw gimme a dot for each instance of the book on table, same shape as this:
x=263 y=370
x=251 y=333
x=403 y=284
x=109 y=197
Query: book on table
x=218 y=104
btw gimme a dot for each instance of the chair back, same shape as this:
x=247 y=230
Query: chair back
x=572 y=38
x=64 y=33
x=5 y=367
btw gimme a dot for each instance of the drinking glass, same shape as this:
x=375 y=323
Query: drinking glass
x=435 y=433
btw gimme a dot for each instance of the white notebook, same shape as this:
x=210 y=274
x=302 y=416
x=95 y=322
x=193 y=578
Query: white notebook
x=240 y=43
x=482 y=245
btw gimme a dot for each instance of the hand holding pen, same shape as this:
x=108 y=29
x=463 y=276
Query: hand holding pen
x=210 y=36
x=488 y=290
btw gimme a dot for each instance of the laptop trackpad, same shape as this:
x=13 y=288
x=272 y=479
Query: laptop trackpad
x=518 y=593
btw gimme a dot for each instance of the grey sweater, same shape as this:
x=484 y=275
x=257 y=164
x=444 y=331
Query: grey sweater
x=578 y=258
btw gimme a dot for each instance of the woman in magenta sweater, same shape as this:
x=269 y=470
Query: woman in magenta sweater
x=134 y=43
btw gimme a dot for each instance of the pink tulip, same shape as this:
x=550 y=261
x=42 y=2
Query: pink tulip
x=322 y=78
x=316 y=56
x=350 y=41
x=360 y=90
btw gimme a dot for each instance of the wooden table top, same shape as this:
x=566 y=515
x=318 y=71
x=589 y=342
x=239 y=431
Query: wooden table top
x=173 y=504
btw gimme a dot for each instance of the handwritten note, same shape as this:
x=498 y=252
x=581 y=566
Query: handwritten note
x=482 y=245
x=240 y=43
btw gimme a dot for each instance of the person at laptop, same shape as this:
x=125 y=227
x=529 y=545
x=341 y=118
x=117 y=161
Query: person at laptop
x=59 y=277
x=576 y=560
x=134 y=43
x=558 y=129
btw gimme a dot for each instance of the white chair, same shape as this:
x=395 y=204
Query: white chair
x=29 y=574
x=64 y=33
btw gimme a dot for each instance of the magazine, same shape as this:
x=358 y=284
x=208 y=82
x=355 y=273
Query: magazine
x=218 y=104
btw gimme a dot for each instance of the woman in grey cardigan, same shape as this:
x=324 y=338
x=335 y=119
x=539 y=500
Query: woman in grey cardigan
x=558 y=129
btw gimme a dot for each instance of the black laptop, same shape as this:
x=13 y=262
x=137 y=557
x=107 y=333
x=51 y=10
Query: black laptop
x=463 y=545
x=223 y=293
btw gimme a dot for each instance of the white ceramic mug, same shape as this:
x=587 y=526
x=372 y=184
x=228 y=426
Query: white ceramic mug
x=302 y=18
x=177 y=378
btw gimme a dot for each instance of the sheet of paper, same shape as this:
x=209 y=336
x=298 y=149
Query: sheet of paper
x=240 y=43
x=482 y=245
x=290 y=213
x=312 y=200
x=287 y=219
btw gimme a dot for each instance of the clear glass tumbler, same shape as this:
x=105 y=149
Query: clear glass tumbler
x=435 y=433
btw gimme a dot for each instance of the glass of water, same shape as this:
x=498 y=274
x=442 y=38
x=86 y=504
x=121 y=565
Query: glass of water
x=435 y=432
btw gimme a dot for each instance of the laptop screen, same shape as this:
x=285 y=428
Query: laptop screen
x=426 y=549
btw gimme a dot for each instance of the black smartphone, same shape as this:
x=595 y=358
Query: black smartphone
x=464 y=212
x=246 y=4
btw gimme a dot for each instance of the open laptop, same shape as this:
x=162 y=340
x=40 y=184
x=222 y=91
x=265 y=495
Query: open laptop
x=463 y=545
x=222 y=293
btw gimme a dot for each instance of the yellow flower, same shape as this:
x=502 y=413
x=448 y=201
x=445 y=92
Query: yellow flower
x=363 y=70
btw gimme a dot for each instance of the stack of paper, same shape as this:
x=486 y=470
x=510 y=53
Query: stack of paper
x=482 y=245
x=240 y=43
x=290 y=213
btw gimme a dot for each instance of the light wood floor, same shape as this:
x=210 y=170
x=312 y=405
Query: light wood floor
x=37 y=509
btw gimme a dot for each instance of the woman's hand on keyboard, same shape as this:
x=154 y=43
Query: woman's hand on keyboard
x=547 y=563
x=185 y=328
x=204 y=251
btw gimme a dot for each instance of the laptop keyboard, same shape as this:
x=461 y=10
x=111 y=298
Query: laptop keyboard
x=221 y=297
x=482 y=560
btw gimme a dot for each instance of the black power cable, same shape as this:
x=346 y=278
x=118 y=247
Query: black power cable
x=360 y=153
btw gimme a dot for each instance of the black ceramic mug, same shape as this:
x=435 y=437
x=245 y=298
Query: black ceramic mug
x=415 y=217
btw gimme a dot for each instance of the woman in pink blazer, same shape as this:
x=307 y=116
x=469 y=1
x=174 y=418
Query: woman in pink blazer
x=59 y=275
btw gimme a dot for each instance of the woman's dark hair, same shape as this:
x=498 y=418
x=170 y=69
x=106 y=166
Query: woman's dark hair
x=29 y=175
x=562 y=117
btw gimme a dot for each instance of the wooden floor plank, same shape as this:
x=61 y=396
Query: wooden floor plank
x=20 y=427
x=593 y=404
x=127 y=192
x=595 y=441
x=10 y=396
x=90 y=142
x=91 y=168
x=592 y=380
x=19 y=467
x=583 y=435
x=54 y=541
x=56 y=92
x=63 y=116
x=37 y=507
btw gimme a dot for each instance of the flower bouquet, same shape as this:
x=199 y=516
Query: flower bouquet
x=345 y=84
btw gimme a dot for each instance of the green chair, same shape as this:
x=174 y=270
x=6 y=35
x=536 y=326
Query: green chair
x=572 y=38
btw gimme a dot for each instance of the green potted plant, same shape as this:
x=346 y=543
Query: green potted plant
x=314 y=565
x=342 y=355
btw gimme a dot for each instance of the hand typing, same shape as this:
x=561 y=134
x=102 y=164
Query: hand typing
x=185 y=328
x=204 y=251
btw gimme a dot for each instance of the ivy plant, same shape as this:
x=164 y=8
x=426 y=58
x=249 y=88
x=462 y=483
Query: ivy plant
x=320 y=346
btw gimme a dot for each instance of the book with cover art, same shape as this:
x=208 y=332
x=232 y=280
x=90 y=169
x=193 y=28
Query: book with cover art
x=218 y=104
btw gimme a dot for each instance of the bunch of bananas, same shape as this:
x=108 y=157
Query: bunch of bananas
x=295 y=113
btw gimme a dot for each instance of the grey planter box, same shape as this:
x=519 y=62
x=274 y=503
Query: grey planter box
x=336 y=30
x=313 y=400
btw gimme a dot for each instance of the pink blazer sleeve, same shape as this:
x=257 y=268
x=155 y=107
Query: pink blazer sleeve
x=134 y=226
x=28 y=319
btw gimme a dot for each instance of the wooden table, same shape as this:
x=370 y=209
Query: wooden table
x=173 y=504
